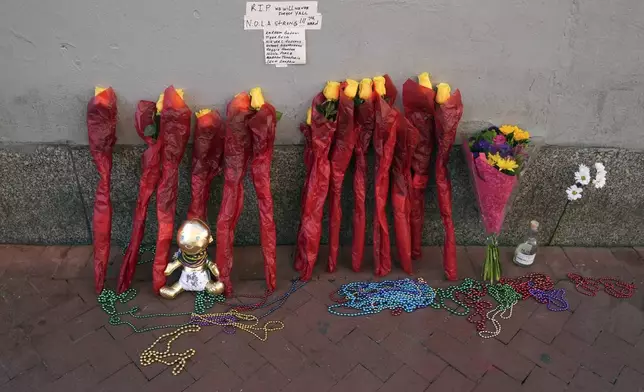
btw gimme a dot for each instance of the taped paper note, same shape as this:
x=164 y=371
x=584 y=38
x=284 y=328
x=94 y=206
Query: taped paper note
x=285 y=46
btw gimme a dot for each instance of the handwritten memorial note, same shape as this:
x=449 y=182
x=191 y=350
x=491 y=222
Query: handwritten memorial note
x=285 y=46
x=284 y=24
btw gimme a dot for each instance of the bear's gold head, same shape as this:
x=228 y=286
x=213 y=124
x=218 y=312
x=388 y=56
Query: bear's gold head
x=193 y=236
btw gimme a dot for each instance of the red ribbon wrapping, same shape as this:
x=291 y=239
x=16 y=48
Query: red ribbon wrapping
x=406 y=140
x=101 y=130
x=384 y=141
x=174 y=135
x=342 y=150
x=207 y=162
x=262 y=127
x=447 y=117
x=237 y=151
x=150 y=174
x=365 y=124
x=419 y=105
x=308 y=238
x=309 y=158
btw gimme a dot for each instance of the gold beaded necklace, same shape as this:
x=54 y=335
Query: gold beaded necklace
x=245 y=322
x=178 y=360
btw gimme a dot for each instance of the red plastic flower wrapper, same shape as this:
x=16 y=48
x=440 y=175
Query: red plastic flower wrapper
x=308 y=164
x=401 y=184
x=418 y=102
x=150 y=174
x=447 y=117
x=174 y=135
x=384 y=142
x=237 y=150
x=262 y=126
x=491 y=187
x=101 y=130
x=207 y=162
x=308 y=238
x=365 y=124
x=341 y=152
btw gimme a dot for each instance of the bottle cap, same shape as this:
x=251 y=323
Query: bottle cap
x=534 y=225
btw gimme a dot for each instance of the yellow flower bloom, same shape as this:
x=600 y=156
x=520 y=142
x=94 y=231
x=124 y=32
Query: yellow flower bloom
x=351 y=89
x=492 y=159
x=256 y=98
x=508 y=129
x=443 y=92
x=520 y=134
x=308 y=116
x=366 y=88
x=160 y=101
x=424 y=80
x=508 y=164
x=98 y=90
x=203 y=112
x=331 y=91
x=379 y=85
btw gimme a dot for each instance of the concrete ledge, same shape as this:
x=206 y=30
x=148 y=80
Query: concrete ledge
x=47 y=194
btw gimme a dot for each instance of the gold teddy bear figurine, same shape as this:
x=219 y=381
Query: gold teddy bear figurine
x=193 y=238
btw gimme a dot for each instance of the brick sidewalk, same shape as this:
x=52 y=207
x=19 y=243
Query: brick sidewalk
x=54 y=337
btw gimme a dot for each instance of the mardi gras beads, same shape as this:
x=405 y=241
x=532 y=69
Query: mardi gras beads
x=370 y=298
x=235 y=320
x=449 y=293
x=554 y=298
x=150 y=356
x=108 y=300
x=626 y=290
x=590 y=286
x=506 y=298
x=523 y=284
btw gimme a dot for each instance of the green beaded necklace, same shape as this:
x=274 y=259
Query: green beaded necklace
x=108 y=300
x=449 y=293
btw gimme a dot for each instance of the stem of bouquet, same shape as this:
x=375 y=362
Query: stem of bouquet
x=492 y=264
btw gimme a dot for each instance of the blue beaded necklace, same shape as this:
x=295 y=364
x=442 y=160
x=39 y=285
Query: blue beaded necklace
x=373 y=297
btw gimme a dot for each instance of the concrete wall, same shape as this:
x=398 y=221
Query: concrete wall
x=570 y=70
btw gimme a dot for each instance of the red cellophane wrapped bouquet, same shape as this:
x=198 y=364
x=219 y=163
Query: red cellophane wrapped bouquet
x=101 y=130
x=323 y=125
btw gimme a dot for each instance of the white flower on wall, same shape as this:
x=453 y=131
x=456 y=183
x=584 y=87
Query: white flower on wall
x=582 y=177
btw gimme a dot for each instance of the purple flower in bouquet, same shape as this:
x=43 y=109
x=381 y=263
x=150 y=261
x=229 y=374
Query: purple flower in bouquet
x=503 y=149
x=481 y=145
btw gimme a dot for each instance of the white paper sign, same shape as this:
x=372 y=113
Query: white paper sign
x=285 y=46
x=284 y=24
x=311 y=22
x=282 y=8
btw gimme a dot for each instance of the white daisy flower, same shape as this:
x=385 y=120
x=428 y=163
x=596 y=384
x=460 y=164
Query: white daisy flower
x=574 y=192
x=599 y=182
x=600 y=167
x=583 y=175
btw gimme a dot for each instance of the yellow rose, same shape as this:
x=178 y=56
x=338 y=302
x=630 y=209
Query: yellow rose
x=256 y=98
x=423 y=80
x=443 y=92
x=160 y=101
x=365 y=88
x=203 y=112
x=351 y=89
x=520 y=134
x=308 y=116
x=98 y=90
x=332 y=91
x=379 y=85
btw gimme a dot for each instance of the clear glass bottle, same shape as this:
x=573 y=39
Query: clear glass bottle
x=526 y=251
